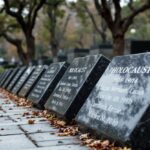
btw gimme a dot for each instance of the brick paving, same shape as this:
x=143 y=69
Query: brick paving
x=17 y=134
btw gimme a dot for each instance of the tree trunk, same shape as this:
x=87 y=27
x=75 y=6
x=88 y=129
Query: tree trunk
x=118 y=45
x=53 y=40
x=30 y=41
x=18 y=44
x=103 y=36
x=22 y=55
x=54 y=46
x=103 y=31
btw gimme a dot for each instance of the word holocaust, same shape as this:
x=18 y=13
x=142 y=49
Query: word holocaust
x=132 y=69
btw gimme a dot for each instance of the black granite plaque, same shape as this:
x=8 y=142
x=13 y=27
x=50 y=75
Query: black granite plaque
x=23 y=79
x=2 y=76
x=76 y=84
x=118 y=106
x=6 y=75
x=16 y=78
x=35 y=76
x=11 y=76
x=47 y=83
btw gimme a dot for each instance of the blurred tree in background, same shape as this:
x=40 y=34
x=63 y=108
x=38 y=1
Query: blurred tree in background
x=55 y=11
x=42 y=27
x=86 y=11
x=9 y=28
x=25 y=13
x=111 y=12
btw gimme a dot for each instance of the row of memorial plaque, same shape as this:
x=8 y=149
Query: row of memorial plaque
x=112 y=99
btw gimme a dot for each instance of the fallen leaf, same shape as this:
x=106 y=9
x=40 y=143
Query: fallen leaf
x=84 y=136
x=31 y=121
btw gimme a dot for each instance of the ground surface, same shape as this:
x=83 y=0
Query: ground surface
x=17 y=134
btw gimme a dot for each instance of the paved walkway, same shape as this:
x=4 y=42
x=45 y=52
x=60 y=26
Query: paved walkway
x=17 y=134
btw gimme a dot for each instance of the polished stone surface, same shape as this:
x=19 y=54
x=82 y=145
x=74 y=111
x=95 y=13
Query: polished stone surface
x=11 y=76
x=16 y=78
x=6 y=75
x=118 y=106
x=76 y=84
x=30 y=83
x=23 y=79
x=46 y=84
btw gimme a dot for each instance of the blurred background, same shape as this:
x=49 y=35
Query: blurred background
x=46 y=31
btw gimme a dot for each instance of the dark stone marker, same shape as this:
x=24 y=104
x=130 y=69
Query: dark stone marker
x=76 y=84
x=119 y=105
x=16 y=78
x=6 y=75
x=23 y=79
x=35 y=76
x=47 y=83
x=2 y=76
x=10 y=78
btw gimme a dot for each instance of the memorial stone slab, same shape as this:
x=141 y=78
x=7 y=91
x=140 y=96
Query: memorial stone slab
x=119 y=105
x=47 y=83
x=23 y=79
x=35 y=76
x=2 y=75
x=6 y=75
x=76 y=84
x=10 y=78
x=16 y=78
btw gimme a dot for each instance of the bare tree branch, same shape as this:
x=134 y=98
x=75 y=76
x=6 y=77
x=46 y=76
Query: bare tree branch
x=18 y=44
x=63 y=29
x=117 y=10
x=104 y=11
x=128 y=20
x=92 y=19
x=16 y=15
x=10 y=39
x=130 y=5
x=7 y=7
x=38 y=7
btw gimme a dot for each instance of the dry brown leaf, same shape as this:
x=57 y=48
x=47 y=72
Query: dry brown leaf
x=88 y=141
x=95 y=143
x=35 y=113
x=58 y=123
x=30 y=121
x=105 y=143
x=63 y=134
x=84 y=136
x=26 y=114
x=72 y=131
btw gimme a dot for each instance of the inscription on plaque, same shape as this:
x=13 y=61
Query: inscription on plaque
x=2 y=76
x=16 y=78
x=36 y=74
x=10 y=78
x=23 y=79
x=5 y=77
x=118 y=106
x=76 y=84
x=47 y=83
